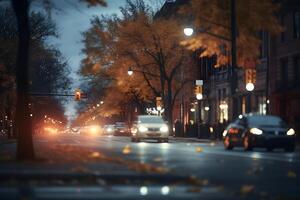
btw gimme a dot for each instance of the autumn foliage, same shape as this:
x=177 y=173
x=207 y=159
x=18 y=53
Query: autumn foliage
x=213 y=16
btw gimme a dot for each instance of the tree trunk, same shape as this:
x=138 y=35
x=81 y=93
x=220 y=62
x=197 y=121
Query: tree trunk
x=169 y=107
x=25 y=150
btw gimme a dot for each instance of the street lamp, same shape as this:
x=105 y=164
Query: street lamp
x=249 y=87
x=199 y=96
x=130 y=72
x=188 y=31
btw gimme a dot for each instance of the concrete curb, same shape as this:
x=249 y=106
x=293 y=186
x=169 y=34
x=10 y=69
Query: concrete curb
x=8 y=141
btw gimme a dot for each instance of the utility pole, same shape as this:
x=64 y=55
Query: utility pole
x=267 y=76
x=233 y=58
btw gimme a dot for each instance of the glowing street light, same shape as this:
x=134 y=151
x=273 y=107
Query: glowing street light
x=199 y=96
x=249 y=87
x=188 y=31
x=130 y=72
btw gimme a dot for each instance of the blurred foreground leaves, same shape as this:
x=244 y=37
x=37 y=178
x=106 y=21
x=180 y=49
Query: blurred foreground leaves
x=64 y=154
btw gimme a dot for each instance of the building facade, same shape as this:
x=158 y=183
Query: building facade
x=277 y=77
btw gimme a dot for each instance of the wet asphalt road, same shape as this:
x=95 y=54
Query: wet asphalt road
x=260 y=174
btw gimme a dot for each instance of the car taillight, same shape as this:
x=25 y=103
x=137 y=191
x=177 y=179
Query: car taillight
x=233 y=131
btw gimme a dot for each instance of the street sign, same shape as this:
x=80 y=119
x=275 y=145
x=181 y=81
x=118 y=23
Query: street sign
x=199 y=82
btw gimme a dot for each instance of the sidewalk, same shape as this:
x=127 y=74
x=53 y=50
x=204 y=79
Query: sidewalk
x=5 y=140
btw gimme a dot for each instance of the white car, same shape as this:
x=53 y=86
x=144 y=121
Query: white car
x=150 y=127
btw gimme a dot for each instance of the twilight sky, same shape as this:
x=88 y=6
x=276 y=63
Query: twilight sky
x=73 y=18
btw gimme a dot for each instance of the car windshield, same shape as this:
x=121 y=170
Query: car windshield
x=151 y=120
x=136 y=99
x=267 y=121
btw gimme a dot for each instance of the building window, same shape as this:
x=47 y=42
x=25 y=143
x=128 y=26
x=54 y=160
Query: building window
x=282 y=36
x=296 y=25
x=283 y=72
x=264 y=44
x=296 y=70
x=262 y=107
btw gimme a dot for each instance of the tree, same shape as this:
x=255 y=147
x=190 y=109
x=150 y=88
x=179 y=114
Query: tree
x=150 y=46
x=212 y=17
x=40 y=29
x=25 y=148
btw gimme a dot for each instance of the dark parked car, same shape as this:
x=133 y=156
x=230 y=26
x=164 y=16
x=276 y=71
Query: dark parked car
x=254 y=130
x=121 y=129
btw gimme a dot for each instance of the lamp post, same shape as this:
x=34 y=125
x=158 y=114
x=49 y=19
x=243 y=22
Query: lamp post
x=188 y=31
x=130 y=72
x=249 y=88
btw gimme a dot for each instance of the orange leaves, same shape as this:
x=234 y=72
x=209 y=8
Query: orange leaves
x=253 y=16
x=199 y=149
x=126 y=150
x=291 y=174
x=246 y=189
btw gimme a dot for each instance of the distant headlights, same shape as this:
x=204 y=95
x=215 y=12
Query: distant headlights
x=256 y=131
x=164 y=129
x=290 y=132
x=109 y=130
x=143 y=129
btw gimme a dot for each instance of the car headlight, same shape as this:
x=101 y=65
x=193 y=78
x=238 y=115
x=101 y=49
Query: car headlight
x=94 y=130
x=256 y=131
x=224 y=133
x=133 y=131
x=109 y=130
x=164 y=129
x=291 y=132
x=143 y=129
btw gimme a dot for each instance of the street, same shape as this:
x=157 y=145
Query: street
x=260 y=174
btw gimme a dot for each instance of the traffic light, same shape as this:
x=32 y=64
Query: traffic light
x=250 y=79
x=250 y=76
x=254 y=76
x=77 y=95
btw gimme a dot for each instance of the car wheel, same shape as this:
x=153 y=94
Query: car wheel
x=247 y=144
x=133 y=139
x=289 y=149
x=227 y=143
x=166 y=140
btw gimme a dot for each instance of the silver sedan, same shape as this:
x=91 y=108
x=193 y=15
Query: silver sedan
x=150 y=127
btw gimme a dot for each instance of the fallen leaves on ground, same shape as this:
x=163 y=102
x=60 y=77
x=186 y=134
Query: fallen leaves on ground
x=61 y=154
x=291 y=174
x=158 y=159
x=194 y=189
x=79 y=169
x=194 y=180
x=255 y=170
x=95 y=155
x=246 y=189
x=126 y=150
x=199 y=149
